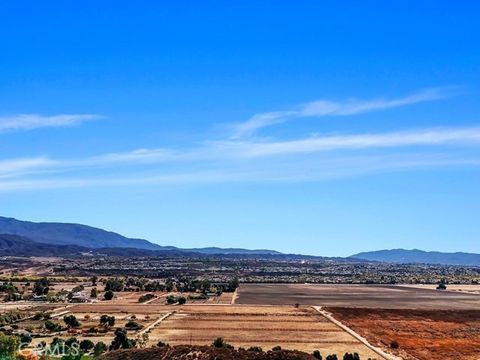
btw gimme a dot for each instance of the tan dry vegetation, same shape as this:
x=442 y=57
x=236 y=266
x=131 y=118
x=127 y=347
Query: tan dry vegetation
x=265 y=326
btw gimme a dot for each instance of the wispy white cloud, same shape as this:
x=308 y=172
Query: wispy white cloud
x=243 y=158
x=34 y=121
x=22 y=166
x=65 y=182
x=426 y=137
x=314 y=169
x=322 y=108
x=138 y=155
x=253 y=158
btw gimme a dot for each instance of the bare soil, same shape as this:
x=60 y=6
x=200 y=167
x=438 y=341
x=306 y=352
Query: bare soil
x=420 y=334
x=369 y=296
x=265 y=326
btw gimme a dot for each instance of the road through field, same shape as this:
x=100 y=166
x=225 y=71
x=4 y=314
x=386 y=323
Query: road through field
x=357 y=336
x=265 y=326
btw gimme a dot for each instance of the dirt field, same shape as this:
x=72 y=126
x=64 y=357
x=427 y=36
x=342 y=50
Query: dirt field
x=421 y=334
x=244 y=326
x=469 y=289
x=271 y=319
x=395 y=296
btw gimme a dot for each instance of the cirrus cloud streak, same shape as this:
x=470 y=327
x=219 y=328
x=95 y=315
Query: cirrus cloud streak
x=322 y=108
x=35 y=121
x=309 y=158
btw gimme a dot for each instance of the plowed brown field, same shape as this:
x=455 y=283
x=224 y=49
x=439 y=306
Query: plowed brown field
x=421 y=334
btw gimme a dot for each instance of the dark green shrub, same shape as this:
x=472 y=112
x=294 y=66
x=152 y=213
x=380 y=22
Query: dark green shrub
x=108 y=295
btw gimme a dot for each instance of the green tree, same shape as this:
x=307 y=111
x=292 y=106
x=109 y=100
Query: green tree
x=71 y=321
x=114 y=285
x=86 y=345
x=181 y=300
x=121 y=340
x=78 y=288
x=72 y=342
x=8 y=346
x=220 y=343
x=25 y=339
x=108 y=295
x=169 y=285
x=233 y=285
x=51 y=326
x=316 y=354
x=145 y=298
x=57 y=342
x=94 y=293
x=133 y=325
x=99 y=349
x=107 y=320
x=41 y=287
x=442 y=286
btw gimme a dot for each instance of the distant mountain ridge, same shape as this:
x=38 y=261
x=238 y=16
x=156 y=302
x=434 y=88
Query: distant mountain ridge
x=88 y=237
x=71 y=234
x=419 y=256
x=14 y=245
x=25 y=238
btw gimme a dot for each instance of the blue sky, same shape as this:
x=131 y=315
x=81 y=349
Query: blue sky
x=324 y=128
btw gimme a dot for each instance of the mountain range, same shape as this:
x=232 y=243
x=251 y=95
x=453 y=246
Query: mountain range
x=402 y=256
x=89 y=238
x=68 y=234
x=25 y=238
x=14 y=245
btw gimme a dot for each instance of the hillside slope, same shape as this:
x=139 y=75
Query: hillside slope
x=95 y=238
x=14 y=245
x=71 y=234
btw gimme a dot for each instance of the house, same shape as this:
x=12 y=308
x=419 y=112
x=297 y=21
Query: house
x=79 y=297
